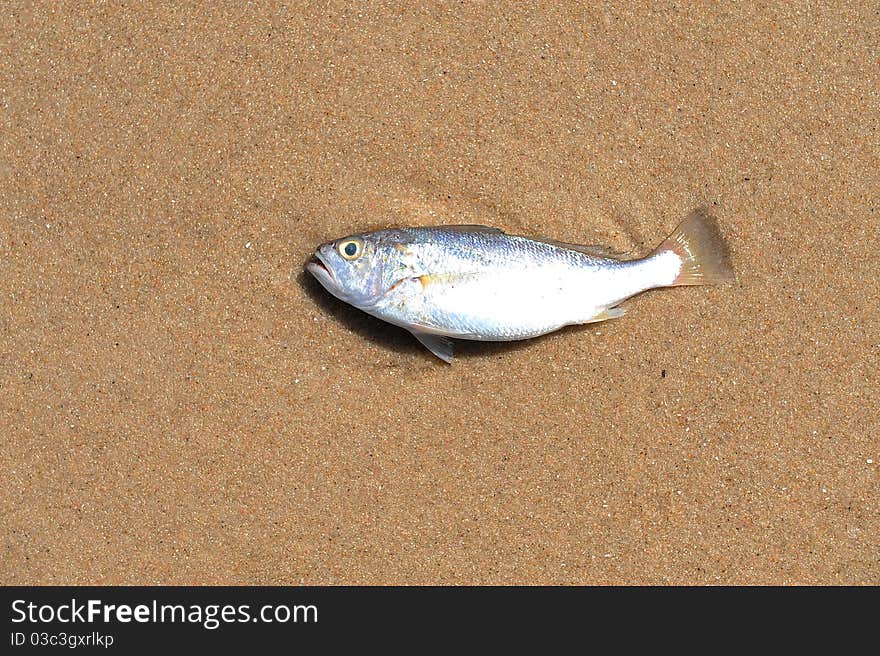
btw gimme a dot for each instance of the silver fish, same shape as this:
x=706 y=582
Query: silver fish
x=476 y=282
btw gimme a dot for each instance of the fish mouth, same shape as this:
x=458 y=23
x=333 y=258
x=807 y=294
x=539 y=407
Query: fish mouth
x=318 y=268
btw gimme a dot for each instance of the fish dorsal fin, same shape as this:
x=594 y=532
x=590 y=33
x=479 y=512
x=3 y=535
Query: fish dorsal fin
x=590 y=249
x=467 y=228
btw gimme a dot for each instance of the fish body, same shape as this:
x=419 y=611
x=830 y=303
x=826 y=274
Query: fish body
x=479 y=283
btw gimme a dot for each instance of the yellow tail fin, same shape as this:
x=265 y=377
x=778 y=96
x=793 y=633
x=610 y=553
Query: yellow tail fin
x=704 y=256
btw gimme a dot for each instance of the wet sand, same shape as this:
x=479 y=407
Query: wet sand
x=180 y=404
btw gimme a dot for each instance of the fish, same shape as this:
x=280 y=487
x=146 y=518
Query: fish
x=477 y=282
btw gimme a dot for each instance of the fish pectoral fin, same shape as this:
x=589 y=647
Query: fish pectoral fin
x=439 y=345
x=607 y=313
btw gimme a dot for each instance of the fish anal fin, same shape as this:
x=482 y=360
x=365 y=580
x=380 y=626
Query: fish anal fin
x=606 y=314
x=439 y=345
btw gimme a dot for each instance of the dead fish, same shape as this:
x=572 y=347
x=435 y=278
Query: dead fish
x=476 y=282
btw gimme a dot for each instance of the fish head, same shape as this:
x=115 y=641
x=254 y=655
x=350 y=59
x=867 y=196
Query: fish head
x=358 y=269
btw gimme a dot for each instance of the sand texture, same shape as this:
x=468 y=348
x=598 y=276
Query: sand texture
x=181 y=403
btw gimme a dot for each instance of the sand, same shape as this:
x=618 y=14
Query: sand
x=181 y=404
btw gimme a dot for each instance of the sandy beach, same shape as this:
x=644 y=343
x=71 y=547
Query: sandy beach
x=181 y=404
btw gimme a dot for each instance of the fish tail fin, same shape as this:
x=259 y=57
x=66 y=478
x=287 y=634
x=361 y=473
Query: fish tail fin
x=699 y=245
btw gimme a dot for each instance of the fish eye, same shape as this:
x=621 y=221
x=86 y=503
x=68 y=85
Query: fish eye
x=350 y=249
